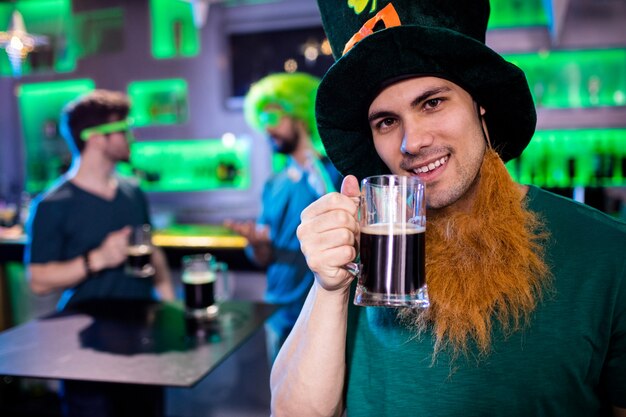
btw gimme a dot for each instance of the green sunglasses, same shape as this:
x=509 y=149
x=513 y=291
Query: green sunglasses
x=108 y=128
x=270 y=118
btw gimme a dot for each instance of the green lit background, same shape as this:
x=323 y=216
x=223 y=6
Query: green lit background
x=99 y=31
x=575 y=79
x=573 y=158
x=559 y=79
x=52 y=18
x=158 y=102
x=173 y=31
x=190 y=165
x=40 y=104
x=517 y=13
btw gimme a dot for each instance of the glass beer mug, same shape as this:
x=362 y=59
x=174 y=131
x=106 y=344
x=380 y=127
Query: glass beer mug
x=392 y=220
x=139 y=260
x=205 y=281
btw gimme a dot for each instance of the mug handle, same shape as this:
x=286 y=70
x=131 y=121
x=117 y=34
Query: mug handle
x=353 y=268
x=225 y=289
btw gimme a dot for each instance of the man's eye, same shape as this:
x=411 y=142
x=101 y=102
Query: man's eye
x=432 y=103
x=386 y=122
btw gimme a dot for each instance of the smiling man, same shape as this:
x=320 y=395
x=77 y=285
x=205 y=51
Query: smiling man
x=406 y=118
x=527 y=289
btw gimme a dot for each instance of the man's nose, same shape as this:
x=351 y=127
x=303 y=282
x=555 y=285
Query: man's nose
x=415 y=138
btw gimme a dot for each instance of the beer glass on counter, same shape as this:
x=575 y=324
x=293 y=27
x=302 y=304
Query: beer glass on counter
x=391 y=269
x=205 y=281
x=139 y=260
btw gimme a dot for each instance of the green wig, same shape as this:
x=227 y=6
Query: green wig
x=293 y=92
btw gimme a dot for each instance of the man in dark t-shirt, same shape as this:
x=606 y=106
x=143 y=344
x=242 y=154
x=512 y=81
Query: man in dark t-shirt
x=78 y=240
x=79 y=229
x=64 y=227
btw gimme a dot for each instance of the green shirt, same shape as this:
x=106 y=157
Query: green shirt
x=570 y=361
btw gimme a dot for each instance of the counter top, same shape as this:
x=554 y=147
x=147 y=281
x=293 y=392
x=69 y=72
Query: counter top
x=198 y=236
x=181 y=236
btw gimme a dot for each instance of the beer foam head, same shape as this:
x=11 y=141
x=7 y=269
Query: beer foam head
x=139 y=250
x=198 y=277
x=392 y=229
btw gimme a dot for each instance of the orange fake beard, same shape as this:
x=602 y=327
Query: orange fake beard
x=483 y=267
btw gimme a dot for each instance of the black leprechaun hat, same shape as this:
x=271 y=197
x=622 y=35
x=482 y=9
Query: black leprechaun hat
x=377 y=41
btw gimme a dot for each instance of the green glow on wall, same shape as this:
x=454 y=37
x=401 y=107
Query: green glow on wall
x=40 y=104
x=517 y=13
x=158 y=102
x=279 y=161
x=173 y=31
x=99 y=31
x=190 y=165
x=571 y=158
x=575 y=79
x=52 y=18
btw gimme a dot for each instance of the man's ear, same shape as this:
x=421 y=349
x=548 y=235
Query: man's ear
x=95 y=140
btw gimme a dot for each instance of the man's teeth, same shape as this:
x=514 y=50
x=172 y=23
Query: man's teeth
x=431 y=166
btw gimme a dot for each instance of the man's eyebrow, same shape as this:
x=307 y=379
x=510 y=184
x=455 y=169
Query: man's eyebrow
x=424 y=96
x=379 y=114
x=428 y=93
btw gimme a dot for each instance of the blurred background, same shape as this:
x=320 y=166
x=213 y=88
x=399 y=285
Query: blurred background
x=186 y=65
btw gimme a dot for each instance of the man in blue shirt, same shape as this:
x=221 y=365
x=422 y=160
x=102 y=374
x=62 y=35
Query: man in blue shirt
x=282 y=106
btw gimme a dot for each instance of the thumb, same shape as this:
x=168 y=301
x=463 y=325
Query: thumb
x=350 y=186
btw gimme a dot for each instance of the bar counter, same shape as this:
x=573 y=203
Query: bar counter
x=198 y=236
x=184 y=239
x=192 y=237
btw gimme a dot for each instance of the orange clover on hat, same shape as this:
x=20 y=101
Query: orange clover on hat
x=383 y=41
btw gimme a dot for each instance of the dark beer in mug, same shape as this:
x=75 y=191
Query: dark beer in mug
x=392 y=258
x=138 y=261
x=199 y=289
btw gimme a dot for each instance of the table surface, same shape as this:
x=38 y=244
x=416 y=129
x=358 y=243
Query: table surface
x=129 y=342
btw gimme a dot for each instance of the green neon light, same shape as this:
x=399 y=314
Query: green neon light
x=173 y=31
x=572 y=158
x=158 y=102
x=99 y=31
x=575 y=79
x=107 y=128
x=190 y=165
x=517 y=13
x=270 y=118
x=279 y=161
x=52 y=18
x=40 y=104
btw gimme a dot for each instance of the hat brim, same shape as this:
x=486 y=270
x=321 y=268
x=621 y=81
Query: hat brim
x=352 y=83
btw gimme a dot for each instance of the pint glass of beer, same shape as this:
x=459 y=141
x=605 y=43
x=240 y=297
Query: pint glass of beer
x=205 y=281
x=139 y=261
x=391 y=270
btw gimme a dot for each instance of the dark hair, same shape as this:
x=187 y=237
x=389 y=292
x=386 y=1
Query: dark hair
x=92 y=109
